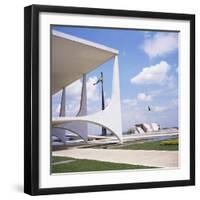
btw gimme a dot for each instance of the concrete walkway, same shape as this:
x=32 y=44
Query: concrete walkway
x=136 y=157
x=63 y=162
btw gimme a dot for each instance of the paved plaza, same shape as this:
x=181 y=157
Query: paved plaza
x=136 y=157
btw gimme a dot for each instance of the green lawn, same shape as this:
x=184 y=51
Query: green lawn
x=58 y=159
x=83 y=165
x=165 y=145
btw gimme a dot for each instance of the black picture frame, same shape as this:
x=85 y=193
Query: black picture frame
x=31 y=98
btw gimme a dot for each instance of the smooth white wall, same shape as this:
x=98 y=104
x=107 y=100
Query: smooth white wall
x=11 y=101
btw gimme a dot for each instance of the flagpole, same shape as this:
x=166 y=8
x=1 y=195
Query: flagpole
x=103 y=133
x=103 y=103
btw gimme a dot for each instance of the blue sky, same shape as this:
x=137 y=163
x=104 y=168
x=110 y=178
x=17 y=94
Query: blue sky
x=148 y=62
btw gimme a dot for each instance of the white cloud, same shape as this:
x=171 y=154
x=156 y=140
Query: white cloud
x=92 y=90
x=174 y=102
x=107 y=101
x=172 y=82
x=160 y=44
x=159 y=108
x=144 y=97
x=129 y=102
x=73 y=97
x=55 y=110
x=165 y=115
x=155 y=74
x=73 y=91
x=147 y=34
x=171 y=105
x=58 y=109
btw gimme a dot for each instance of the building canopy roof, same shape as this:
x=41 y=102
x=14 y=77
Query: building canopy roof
x=72 y=57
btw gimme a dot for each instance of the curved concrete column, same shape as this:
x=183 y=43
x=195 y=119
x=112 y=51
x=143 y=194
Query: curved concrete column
x=110 y=118
x=56 y=131
x=62 y=104
x=83 y=102
x=79 y=128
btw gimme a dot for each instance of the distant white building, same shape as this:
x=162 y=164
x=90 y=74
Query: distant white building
x=155 y=126
x=145 y=128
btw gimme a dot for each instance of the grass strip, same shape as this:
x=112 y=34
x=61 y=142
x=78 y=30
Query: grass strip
x=84 y=165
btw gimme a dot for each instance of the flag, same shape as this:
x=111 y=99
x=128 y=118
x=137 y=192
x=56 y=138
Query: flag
x=100 y=79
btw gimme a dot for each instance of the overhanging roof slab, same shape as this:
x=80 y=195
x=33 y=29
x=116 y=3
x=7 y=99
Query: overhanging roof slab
x=72 y=57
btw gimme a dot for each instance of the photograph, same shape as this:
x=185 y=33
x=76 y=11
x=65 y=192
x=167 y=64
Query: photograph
x=114 y=99
x=109 y=99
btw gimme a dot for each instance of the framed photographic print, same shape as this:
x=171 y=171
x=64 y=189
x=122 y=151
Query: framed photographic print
x=109 y=100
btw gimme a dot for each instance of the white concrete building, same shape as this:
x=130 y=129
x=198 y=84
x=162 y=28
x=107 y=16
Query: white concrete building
x=72 y=59
x=147 y=128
